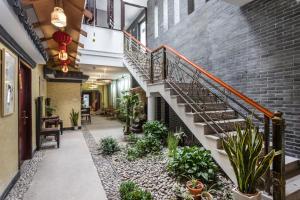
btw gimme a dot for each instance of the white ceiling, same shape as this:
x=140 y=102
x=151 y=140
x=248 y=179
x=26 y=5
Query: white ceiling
x=103 y=72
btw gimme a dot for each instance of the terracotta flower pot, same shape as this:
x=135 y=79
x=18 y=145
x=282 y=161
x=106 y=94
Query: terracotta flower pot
x=237 y=195
x=195 y=191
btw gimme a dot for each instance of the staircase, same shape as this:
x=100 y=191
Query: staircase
x=209 y=108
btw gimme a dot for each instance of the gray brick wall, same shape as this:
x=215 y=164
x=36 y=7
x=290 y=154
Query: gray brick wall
x=254 y=48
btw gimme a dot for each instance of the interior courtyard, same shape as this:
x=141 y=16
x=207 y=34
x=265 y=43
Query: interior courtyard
x=150 y=99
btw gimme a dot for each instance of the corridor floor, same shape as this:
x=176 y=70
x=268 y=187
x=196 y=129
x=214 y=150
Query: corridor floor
x=67 y=173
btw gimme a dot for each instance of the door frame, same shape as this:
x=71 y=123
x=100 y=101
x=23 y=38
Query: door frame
x=28 y=68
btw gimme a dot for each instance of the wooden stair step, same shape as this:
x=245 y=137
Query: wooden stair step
x=293 y=188
x=214 y=115
x=226 y=125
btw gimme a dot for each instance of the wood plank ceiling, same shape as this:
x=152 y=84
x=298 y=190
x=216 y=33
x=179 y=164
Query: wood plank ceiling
x=74 y=12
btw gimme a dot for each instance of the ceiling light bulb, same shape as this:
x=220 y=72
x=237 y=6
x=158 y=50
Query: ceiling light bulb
x=58 y=17
x=65 y=68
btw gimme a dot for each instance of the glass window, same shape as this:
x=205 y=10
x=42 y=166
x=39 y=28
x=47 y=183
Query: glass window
x=156 y=21
x=165 y=13
x=142 y=31
x=176 y=11
x=191 y=6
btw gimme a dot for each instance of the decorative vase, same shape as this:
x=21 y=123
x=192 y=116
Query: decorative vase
x=195 y=191
x=237 y=195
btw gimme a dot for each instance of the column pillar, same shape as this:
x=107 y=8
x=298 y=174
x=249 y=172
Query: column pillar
x=151 y=107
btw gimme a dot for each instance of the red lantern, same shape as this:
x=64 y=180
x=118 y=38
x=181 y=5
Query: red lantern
x=62 y=37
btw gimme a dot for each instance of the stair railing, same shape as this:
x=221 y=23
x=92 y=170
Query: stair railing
x=201 y=91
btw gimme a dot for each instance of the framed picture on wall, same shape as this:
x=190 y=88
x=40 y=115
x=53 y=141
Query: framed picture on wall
x=8 y=70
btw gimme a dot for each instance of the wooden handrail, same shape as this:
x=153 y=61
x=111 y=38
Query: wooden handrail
x=240 y=95
x=134 y=39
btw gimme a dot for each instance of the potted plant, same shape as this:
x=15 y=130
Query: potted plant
x=195 y=187
x=74 y=119
x=244 y=152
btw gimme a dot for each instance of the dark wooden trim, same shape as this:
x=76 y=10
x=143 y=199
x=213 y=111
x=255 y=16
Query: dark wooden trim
x=71 y=128
x=122 y=14
x=10 y=186
x=64 y=81
x=22 y=63
x=9 y=42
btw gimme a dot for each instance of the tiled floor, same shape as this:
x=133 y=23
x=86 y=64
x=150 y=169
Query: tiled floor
x=67 y=173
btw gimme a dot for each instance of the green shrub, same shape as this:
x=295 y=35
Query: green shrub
x=108 y=146
x=157 y=129
x=130 y=191
x=172 y=142
x=193 y=162
x=126 y=187
x=132 y=138
x=147 y=144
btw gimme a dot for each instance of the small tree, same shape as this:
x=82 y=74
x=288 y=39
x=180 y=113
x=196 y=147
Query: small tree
x=128 y=102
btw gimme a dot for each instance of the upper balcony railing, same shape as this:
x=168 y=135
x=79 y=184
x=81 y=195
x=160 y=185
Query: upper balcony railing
x=199 y=88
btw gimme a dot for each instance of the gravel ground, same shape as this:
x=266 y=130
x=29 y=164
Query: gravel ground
x=149 y=173
x=27 y=173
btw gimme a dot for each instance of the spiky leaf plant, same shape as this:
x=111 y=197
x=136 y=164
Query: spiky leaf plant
x=244 y=152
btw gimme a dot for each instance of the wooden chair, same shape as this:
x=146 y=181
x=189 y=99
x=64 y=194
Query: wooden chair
x=86 y=113
x=41 y=130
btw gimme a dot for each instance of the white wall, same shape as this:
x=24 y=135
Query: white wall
x=107 y=49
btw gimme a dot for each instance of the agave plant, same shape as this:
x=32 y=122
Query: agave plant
x=244 y=152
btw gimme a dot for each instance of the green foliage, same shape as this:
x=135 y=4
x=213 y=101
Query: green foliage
x=132 y=138
x=244 y=151
x=74 y=117
x=156 y=128
x=108 y=146
x=127 y=104
x=172 y=142
x=130 y=191
x=193 y=162
x=147 y=144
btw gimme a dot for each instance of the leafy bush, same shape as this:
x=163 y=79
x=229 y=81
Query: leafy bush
x=193 y=162
x=144 y=146
x=130 y=191
x=108 y=146
x=132 y=138
x=172 y=142
x=156 y=128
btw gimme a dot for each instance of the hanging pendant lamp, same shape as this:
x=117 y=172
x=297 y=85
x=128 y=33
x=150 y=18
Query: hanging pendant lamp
x=64 y=65
x=58 y=17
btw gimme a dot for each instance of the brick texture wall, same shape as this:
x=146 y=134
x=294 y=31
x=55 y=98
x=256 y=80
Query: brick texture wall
x=255 y=48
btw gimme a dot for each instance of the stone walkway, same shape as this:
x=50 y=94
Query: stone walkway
x=67 y=173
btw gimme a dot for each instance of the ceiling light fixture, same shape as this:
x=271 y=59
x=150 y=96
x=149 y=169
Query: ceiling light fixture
x=58 y=17
x=65 y=64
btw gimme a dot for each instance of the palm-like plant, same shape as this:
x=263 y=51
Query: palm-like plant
x=74 y=117
x=128 y=102
x=244 y=152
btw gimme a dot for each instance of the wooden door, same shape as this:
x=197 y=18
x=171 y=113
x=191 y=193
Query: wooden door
x=25 y=121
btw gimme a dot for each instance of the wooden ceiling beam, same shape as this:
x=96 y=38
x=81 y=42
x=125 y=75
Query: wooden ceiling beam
x=78 y=43
x=45 y=39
